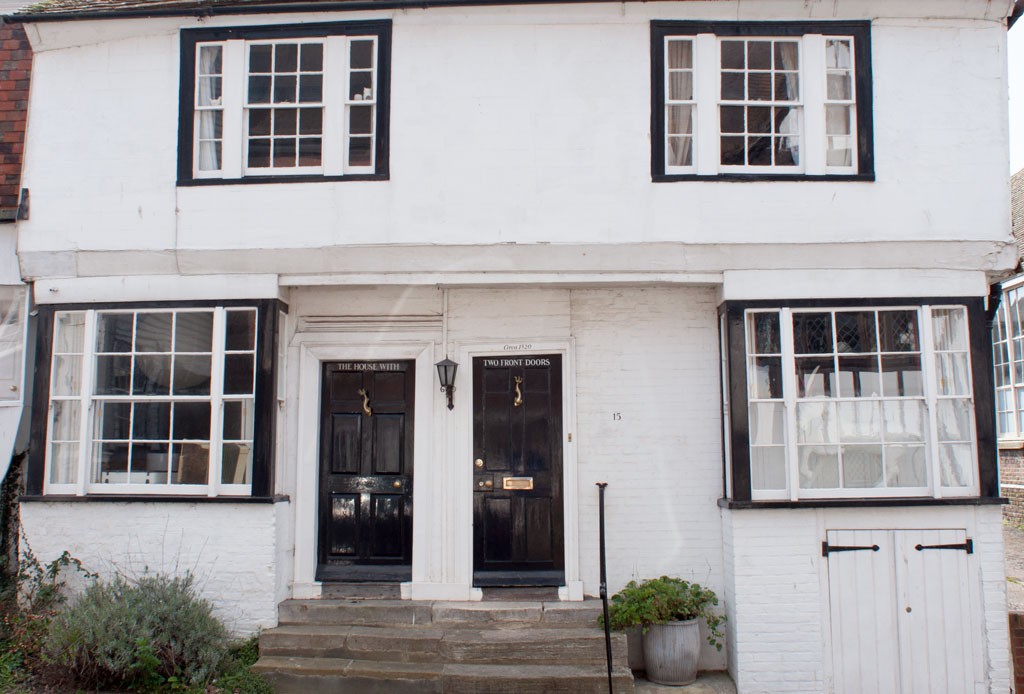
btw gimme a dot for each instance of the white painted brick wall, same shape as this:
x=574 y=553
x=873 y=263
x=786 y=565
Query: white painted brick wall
x=228 y=547
x=650 y=354
x=778 y=590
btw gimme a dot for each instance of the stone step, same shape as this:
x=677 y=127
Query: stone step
x=508 y=644
x=349 y=676
x=354 y=612
x=361 y=591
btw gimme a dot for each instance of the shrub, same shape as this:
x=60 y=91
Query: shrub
x=137 y=634
x=665 y=599
x=238 y=678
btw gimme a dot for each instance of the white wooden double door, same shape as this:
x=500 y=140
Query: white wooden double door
x=903 y=616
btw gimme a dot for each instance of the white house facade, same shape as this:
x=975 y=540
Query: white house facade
x=731 y=257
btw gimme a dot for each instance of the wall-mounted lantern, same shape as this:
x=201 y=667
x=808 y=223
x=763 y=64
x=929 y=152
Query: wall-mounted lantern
x=446 y=369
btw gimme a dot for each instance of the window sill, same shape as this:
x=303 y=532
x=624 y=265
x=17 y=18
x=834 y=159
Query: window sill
x=755 y=177
x=305 y=178
x=863 y=503
x=1011 y=444
x=160 y=498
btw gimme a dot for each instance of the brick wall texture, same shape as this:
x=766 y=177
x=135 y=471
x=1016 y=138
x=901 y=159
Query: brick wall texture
x=15 y=70
x=1017 y=649
x=1011 y=471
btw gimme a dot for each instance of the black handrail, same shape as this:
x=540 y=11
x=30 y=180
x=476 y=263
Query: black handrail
x=604 y=586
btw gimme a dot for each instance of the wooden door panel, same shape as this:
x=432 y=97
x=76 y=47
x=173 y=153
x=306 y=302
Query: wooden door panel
x=366 y=470
x=517 y=432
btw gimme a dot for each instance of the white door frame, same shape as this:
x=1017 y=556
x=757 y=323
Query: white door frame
x=462 y=454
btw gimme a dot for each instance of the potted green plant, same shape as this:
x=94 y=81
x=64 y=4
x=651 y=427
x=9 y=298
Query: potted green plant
x=668 y=612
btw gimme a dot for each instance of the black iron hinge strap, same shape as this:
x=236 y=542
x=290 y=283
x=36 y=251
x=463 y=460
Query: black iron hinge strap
x=827 y=549
x=965 y=546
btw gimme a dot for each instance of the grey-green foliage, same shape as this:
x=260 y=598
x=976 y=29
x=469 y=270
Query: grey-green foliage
x=137 y=634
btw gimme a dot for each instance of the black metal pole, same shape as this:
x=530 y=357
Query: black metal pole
x=604 y=586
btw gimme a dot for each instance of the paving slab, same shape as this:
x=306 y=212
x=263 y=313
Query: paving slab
x=707 y=683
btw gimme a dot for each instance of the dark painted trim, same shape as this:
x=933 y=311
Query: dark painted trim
x=899 y=502
x=265 y=396
x=155 y=498
x=860 y=30
x=760 y=178
x=186 y=89
x=40 y=401
x=277 y=8
x=982 y=376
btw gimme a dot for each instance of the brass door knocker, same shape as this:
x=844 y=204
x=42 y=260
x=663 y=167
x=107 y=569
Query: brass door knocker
x=366 y=402
x=519 y=394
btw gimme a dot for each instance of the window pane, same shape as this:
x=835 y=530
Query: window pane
x=210 y=60
x=680 y=86
x=787 y=86
x=768 y=467
x=67 y=375
x=236 y=464
x=819 y=467
x=954 y=420
x=905 y=466
x=239 y=416
x=241 y=330
x=361 y=54
x=259 y=153
x=765 y=329
x=733 y=119
x=311 y=121
x=759 y=87
x=311 y=88
x=837 y=120
x=208 y=91
x=855 y=331
x=680 y=54
x=112 y=462
x=70 y=333
x=193 y=332
x=286 y=57
x=309 y=151
x=259 y=121
x=680 y=151
x=951 y=374
x=114 y=332
x=66 y=420
x=191 y=421
x=860 y=422
x=63 y=463
x=950 y=328
x=113 y=420
x=904 y=420
x=259 y=89
x=209 y=156
x=815 y=422
x=759 y=120
x=901 y=376
x=837 y=54
x=733 y=55
x=859 y=377
x=734 y=86
x=360 y=86
x=192 y=375
x=190 y=464
x=360 y=152
x=812 y=333
x=862 y=466
x=284 y=152
x=285 y=121
x=839 y=86
x=153 y=332
x=361 y=120
x=259 y=58
x=734 y=151
x=787 y=55
x=152 y=375
x=766 y=378
x=957 y=464
x=284 y=89
x=149 y=463
x=815 y=377
x=898 y=331
x=113 y=375
x=312 y=57
x=238 y=374
x=680 y=120
x=150 y=421
x=767 y=424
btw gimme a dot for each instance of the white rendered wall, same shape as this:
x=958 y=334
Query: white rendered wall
x=229 y=548
x=511 y=124
x=779 y=611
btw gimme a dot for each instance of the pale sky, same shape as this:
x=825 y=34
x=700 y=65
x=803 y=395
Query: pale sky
x=1016 y=58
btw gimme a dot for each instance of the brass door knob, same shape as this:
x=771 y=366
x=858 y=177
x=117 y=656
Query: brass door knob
x=397 y=484
x=488 y=484
x=479 y=463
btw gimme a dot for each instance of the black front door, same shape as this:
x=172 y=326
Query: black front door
x=517 y=471
x=366 y=444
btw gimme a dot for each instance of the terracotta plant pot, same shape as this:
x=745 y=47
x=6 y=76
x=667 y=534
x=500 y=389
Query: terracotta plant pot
x=671 y=652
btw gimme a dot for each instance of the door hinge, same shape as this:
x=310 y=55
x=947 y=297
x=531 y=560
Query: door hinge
x=967 y=546
x=826 y=549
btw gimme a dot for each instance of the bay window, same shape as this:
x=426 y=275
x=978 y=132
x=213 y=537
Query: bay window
x=1008 y=355
x=774 y=99
x=853 y=402
x=158 y=400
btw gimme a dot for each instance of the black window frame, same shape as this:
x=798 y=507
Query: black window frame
x=736 y=467
x=859 y=30
x=268 y=324
x=186 y=96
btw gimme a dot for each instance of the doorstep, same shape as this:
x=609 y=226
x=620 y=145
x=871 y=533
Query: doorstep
x=707 y=683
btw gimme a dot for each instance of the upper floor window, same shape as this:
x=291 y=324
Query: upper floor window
x=769 y=99
x=289 y=102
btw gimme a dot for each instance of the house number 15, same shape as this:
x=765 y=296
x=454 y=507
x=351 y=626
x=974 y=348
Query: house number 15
x=616 y=416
